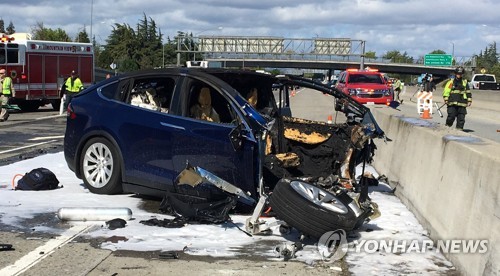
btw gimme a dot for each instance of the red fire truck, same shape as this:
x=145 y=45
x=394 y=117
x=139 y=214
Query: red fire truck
x=39 y=68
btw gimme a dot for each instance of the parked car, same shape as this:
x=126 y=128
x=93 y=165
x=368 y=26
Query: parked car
x=365 y=86
x=137 y=133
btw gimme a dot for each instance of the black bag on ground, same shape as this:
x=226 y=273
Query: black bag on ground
x=38 y=179
x=204 y=203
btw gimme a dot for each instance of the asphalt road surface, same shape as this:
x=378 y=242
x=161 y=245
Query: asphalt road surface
x=482 y=119
x=28 y=134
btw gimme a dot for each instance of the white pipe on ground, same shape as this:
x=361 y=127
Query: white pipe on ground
x=93 y=213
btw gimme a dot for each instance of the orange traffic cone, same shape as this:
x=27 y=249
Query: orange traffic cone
x=426 y=114
x=330 y=119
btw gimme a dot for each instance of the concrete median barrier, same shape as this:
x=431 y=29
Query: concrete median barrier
x=449 y=179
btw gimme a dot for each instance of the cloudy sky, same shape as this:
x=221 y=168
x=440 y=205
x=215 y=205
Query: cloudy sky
x=460 y=27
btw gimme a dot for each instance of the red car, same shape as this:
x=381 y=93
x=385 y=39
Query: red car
x=365 y=86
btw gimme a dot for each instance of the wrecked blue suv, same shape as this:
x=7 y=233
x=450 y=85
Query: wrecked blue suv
x=137 y=132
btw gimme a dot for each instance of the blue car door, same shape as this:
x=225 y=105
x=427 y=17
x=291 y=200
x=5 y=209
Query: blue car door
x=145 y=141
x=206 y=143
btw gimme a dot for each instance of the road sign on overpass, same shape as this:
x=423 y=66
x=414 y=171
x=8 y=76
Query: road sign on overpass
x=438 y=60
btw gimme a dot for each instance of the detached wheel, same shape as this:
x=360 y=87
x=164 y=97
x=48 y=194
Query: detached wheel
x=310 y=209
x=100 y=167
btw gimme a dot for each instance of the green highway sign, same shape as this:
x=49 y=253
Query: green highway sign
x=438 y=60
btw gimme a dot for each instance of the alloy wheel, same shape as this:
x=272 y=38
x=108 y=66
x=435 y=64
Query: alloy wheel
x=319 y=197
x=98 y=165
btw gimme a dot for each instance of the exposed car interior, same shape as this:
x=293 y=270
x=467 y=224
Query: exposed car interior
x=152 y=93
x=203 y=109
x=206 y=103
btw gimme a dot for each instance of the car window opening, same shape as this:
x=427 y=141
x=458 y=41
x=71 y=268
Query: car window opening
x=154 y=94
x=206 y=104
x=365 y=79
x=202 y=109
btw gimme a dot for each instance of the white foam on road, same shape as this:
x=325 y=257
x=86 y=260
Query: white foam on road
x=396 y=222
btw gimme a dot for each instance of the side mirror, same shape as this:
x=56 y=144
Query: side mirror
x=236 y=137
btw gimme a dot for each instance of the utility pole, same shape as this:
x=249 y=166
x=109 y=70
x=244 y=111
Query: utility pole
x=179 y=37
x=362 y=64
x=452 y=52
x=91 y=19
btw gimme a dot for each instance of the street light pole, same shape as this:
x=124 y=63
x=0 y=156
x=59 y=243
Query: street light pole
x=78 y=33
x=452 y=52
x=211 y=29
x=179 y=37
x=91 y=19
x=362 y=63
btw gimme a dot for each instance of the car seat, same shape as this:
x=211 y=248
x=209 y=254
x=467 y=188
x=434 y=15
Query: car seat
x=203 y=108
x=145 y=98
x=252 y=97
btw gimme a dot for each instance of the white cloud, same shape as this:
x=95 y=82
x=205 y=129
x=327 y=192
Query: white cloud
x=415 y=26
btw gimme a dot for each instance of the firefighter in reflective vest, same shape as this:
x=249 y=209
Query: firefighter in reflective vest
x=7 y=93
x=457 y=97
x=71 y=87
x=397 y=86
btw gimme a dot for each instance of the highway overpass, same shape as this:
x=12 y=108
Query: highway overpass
x=401 y=68
x=299 y=53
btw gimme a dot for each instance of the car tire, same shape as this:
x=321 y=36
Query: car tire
x=292 y=202
x=99 y=166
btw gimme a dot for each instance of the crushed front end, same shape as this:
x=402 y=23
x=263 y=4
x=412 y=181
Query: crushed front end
x=308 y=167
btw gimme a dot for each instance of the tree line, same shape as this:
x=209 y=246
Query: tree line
x=142 y=47
x=9 y=30
x=488 y=59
